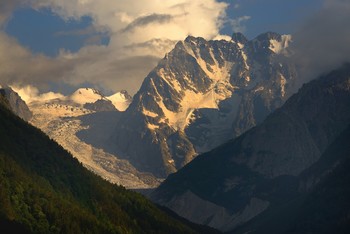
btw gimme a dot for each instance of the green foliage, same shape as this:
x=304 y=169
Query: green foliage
x=43 y=189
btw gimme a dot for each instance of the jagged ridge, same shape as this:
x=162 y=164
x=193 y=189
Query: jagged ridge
x=259 y=170
x=200 y=95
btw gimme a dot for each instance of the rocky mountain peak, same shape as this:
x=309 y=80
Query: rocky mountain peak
x=211 y=91
x=272 y=43
x=269 y=166
x=121 y=100
x=86 y=95
x=93 y=99
x=126 y=94
x=268 y=36
x=239 y=38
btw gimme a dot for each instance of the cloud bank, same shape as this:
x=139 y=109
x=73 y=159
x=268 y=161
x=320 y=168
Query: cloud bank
x=237 y=24
x=140 y=34
x=31 y=94
x=323 y=42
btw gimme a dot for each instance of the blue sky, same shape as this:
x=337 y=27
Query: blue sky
x=45 y=32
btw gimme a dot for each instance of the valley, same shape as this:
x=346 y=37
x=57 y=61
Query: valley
x=174 y=117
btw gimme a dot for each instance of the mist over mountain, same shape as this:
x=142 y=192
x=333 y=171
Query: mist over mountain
x=269 y=165
x=320 y=43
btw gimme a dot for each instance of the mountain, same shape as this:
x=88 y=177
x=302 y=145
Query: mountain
x=86 y=95
x=95 y=100
x=81 y=123
x=45 y=190
x=17 y=105
x=200 y=95
x=260 y=170
x=121 y=100
x=100 y=105
x=322 y=203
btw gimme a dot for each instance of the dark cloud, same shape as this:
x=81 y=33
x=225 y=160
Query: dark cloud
x=323 y=42
x=146 y=20
x=7 y=7
x=20 y=67
x=129 y=70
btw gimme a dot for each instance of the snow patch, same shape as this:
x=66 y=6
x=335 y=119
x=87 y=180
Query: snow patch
x=86 y=95
x=217 y=73
x=279 y=47
x=222 y=37
x=170 y=79
x=283 y=85
x=171 y=161
x=120 y=100
x=152 y=126
x=240 y=45
x=149 y=113
x=245 y=59
x=259 y=89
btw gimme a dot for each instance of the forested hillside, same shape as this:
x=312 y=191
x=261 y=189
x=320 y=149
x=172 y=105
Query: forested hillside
x=43 y=189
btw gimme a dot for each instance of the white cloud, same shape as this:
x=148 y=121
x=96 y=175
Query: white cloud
x=140 y=34
x=222 y=37
x=237 y=24
x=31 y=94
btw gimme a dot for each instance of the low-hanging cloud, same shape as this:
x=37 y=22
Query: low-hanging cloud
x=237 y=24
x=323 y=42
x=31 y=94
x=146 y=20
x=140 y=34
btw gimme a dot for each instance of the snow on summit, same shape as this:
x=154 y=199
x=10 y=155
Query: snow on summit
x=86 y=95
x=121 y=100
x=279 y=47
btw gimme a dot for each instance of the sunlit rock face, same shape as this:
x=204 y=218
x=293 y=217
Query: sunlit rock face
x=17 y=105
x=200 y=95
x=262 y=174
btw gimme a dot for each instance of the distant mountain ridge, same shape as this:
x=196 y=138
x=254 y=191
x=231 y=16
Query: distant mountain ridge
x=200 y=95
x=92 y=99
x=268 y=165
x=79 y=122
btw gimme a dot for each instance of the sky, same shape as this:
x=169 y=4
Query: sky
x=113 y=44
